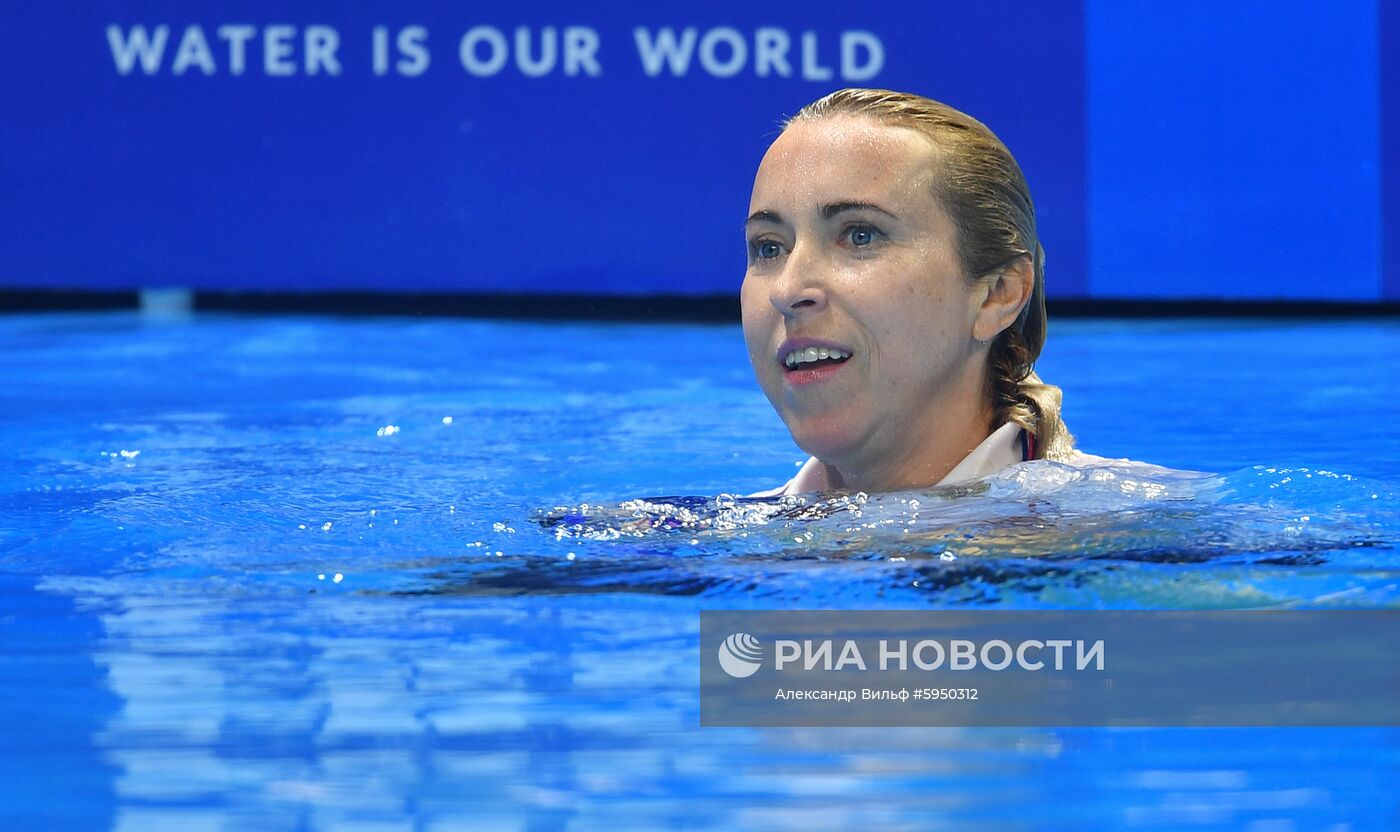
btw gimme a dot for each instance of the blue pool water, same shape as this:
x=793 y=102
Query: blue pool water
x=252 y=576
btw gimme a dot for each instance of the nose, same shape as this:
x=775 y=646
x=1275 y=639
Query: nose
x=800 y=288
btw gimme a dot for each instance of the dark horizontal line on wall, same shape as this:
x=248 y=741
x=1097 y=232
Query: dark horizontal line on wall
x=71 y=300
x=1216 y=308
x=676 y=308
x=706 y=308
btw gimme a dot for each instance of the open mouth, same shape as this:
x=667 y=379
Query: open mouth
x=814 y=358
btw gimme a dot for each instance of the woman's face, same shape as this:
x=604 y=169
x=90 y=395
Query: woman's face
x=851 y=255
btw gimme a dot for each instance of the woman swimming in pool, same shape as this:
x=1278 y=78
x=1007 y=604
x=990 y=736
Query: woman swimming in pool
x=894 y=301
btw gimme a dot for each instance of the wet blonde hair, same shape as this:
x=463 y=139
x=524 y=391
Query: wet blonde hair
x=984 y=191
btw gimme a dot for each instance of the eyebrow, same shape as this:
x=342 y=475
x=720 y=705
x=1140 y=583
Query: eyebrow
x=828 y=211
x=764 y=216
x=834 y=208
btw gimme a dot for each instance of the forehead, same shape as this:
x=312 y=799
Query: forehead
x=845 y=158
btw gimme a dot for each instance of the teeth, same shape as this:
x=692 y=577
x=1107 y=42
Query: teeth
x=813 y=354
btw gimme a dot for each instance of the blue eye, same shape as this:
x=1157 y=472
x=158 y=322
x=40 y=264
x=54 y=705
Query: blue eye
x=861 y=236
x=766 y=249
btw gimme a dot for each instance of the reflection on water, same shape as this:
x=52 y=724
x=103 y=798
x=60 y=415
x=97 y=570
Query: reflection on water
x=54 y=699
x=178 y=652
x=283 y=712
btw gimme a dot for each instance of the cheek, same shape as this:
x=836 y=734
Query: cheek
x=753 y=314
x=912 y=331
x=748 y=299
x=754 y=341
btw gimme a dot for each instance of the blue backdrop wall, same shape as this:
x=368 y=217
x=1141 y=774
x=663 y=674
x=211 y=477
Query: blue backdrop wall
x=1187 y=150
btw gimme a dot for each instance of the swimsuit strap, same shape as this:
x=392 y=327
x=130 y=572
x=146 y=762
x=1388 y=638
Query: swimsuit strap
x=1027 y=446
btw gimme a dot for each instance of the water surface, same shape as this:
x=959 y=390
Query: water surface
x=303 y=573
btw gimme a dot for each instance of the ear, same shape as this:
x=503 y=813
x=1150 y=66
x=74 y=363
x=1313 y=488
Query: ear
x=1008 y=290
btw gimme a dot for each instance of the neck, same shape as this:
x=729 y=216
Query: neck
x=922 y=457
